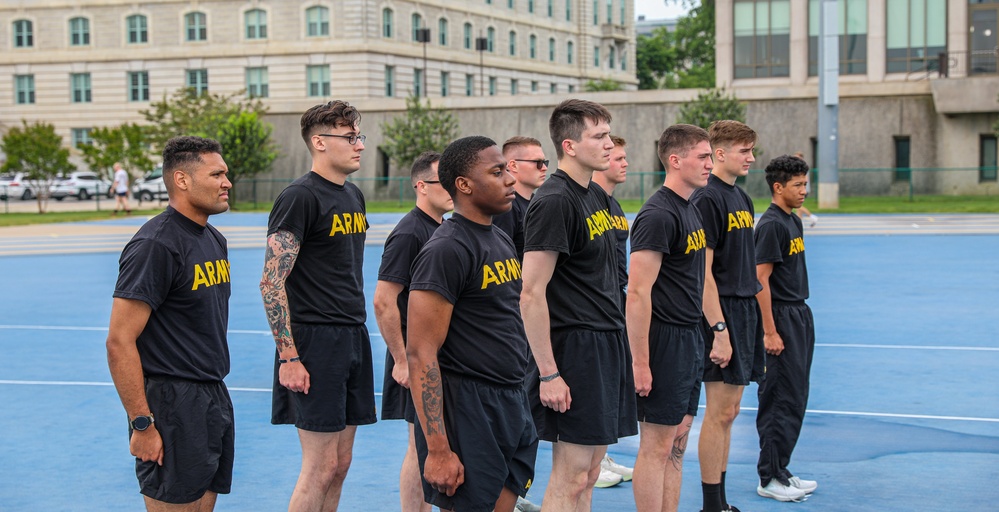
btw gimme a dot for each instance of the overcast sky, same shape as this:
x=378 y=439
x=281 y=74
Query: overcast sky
x=658 y=9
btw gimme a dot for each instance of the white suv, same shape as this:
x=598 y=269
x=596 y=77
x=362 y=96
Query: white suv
x=150 y=186
x=14 y=185
x=81 y=185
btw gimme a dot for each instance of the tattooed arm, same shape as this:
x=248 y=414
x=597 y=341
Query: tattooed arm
x=279 y=259
x=429 y=317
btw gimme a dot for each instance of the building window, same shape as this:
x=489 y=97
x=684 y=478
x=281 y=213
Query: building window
x=467 y=36
x=256 y=24
x=916 y=33
x=596 y=11
x=24 y=89
x=319 y=80
x=987 y=158
x=317 y=21
x=138 y=86
x=389 y=81
x=491 y=39
x=197 y=79
x=442 y=32
x=138 y=31
x=903 y=169
x=610 y=11
x=469 y=84
x=81 y=137
x=79 y=85
x=572 y=88
x=530 y=6
x=387 y=21
x=23 y=35
x=622 y=12
x=762 y=38
x=534 y=46
x=196 y=26
x=610 y=58
x=569 y=51
x=551 y=49
x=551 y=8
x=79 y=32
x=509 y=4
x=492 y=86
x=445 y=84
x=417 y=22
x=852 y=37
x=257 y=82
x=553 y=88
x=514 y=86
x=596 y=56
x=418 y=83
x=568 y=10
x=624 y=61
x=513 y=43
x=534 y=86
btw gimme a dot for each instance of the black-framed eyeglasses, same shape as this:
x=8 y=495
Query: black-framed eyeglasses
x=428 y=182
x=540 y=163
x=351 y=139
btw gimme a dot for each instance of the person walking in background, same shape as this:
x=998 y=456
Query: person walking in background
x=121 y=189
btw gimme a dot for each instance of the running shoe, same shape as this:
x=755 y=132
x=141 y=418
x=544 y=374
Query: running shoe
x=808 y=486
x=608 y=464
x=780 y=492
x=607 y=479
x=815 y=220
x=526 y=506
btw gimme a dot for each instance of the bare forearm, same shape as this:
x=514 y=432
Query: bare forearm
x=639 y=318
x=766 y=308
x=711 y=305
x=537 y=325
x=428 y=399
x=126 y=372
x=389 y=318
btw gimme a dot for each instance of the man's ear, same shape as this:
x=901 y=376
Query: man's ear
x=463 y=185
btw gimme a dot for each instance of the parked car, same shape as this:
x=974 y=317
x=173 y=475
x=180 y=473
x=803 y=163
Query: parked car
x=82 y=185
x=150 y=186
x=14 y=185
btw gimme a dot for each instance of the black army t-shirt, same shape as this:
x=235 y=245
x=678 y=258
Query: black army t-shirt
x=575 y=222
x=727 y=214
x=669 y=224
x=326 y=285
x=475 y=268
x=620 y=223
x=512 y=222
x=780 y=240
x=401 y=248
x=181 y=269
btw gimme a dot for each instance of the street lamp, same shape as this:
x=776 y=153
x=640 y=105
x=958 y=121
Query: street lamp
x=481 y=45
x=423 y=36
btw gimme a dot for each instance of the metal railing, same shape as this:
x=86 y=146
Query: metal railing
x=969 y=63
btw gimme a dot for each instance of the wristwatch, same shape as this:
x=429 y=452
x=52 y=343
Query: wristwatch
x=719 y=327
x=141 y=423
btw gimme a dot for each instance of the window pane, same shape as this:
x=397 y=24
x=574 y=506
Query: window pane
x=743 y=19
x=936 y=26
x=917 y=24
x=762 y=17
x=780 y=17
x=987 y=158
x=856 y=16
x=898 y=23
x=813 y=17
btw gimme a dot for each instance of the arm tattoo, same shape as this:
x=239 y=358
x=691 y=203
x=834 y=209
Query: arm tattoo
x=279 y=260
x=433 y=400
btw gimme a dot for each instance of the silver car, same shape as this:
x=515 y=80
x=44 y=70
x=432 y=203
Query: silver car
x=14 y=185
x=82 y=185
x=150 y=186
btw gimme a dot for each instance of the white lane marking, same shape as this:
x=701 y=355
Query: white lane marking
x=80 y=328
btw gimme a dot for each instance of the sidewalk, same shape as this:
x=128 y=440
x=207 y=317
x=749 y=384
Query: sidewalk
x=72 y=204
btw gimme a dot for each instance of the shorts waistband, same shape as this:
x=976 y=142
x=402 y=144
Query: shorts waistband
x=483 y=382
x=169 y=378
x=695 y=325
x=787 y=302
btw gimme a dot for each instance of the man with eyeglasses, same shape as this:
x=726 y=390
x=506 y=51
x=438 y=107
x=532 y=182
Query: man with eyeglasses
x=313 y=294
x=391 y=302
x=525 y=159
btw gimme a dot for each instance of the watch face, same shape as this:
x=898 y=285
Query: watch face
x=720 y=326
x=141 y=423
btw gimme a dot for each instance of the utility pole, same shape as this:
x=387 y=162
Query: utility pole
x=828 y=157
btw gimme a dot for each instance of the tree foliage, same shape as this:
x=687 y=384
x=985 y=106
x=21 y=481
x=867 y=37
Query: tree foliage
x=709 y=106
x=36 y=151
x=247 y=147
x=186 y=112
x=422 y=128
x=604 y=84
x=684 y=58
x=126 y=144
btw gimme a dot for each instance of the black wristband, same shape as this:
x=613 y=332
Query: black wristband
x=292 y=360
x=548 y=378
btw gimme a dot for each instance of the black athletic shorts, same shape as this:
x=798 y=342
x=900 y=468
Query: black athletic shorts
x=745 y=331
x=342 y=388
x=675 y=359
x=397 y=401
x=490 y=429
x=196 y=423
x=596 y=365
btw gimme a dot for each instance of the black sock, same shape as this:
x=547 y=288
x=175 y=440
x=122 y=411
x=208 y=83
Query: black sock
x=712 y=497
x=724 y=500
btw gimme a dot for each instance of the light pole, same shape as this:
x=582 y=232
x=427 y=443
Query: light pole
x=423 y=36
x=481 y=45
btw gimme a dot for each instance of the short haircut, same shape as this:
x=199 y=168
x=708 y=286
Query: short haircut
x=618 y=141
x=326 y=117
x=180 y=152
x=723 y=134
x=423 y=166
x=518 y=141
x=568 y=120
x=679 y=139
x=783 y=168
x=458 y=159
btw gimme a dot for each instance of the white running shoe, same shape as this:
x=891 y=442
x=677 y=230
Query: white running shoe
x=608 y=464
x=808 y=486
x=526 y=506
x=815 y=220
x=780 y=492
x=607 y=479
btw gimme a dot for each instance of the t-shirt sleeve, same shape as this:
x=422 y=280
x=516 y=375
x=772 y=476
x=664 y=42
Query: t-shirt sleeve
x=652 y=231
x=768 y=243
x=294 y=210
x=711 y=217
x=145 y=272
x=442 y=266
x=397 y=258
x=546 y=225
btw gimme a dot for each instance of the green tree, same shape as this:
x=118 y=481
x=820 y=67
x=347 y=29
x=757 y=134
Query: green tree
x=188 y=113
x=36 y=151
x=603 y=84
x=126 y=144
x=422 y=128
x=684 y=58
x=710 y=106
x=247 y=147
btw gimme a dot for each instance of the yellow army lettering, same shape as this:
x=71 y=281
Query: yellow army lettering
x=502 y=271
x=210 y=273
x=620 y=222
x=349 y=223
x=599 y=222
x=797 y=245
x=695 y=241
x=740 y=220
